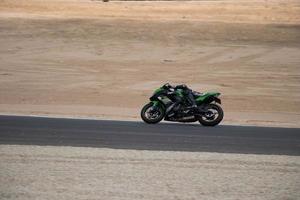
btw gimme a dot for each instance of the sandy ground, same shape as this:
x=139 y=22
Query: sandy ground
x=103 y=60
x=33 y=172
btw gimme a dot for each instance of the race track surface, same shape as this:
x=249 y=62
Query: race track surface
x=141 y=136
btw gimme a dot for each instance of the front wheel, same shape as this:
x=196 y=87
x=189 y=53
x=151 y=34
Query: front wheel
x=152 y=114
x=213 y=116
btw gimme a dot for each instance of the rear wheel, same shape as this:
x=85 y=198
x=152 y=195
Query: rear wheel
x=152 y=114
x=213 y=116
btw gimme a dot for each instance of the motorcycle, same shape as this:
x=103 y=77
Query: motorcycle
x=162 y=104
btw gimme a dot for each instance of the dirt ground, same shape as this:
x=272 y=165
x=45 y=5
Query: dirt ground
x=95 y=59
x=33 y=172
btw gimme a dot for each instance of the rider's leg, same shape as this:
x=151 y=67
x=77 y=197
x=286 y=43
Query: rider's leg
x=191 y=99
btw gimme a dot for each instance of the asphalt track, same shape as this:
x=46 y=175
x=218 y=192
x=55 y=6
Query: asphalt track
x=141 y=136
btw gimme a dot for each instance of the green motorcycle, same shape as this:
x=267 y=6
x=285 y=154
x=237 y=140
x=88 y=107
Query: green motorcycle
x=161 y=105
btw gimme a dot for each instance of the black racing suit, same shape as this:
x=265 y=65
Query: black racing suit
x=188 y=93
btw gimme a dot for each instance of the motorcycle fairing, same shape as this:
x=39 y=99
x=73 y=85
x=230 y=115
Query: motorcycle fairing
x=208 y=97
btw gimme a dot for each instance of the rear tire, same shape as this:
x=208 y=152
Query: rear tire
x=207 y=122
x=145 y=117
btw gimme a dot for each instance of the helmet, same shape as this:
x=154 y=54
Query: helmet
x=167 y=86
x=184 y=86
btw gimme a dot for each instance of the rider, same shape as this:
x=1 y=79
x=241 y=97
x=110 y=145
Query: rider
x=187 y=92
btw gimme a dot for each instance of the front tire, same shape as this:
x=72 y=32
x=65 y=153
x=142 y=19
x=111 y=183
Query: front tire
x=213 y=117
x=151 y=114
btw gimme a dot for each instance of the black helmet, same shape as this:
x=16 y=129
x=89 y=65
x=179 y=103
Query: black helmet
x=167 y=86
x=182 y=86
